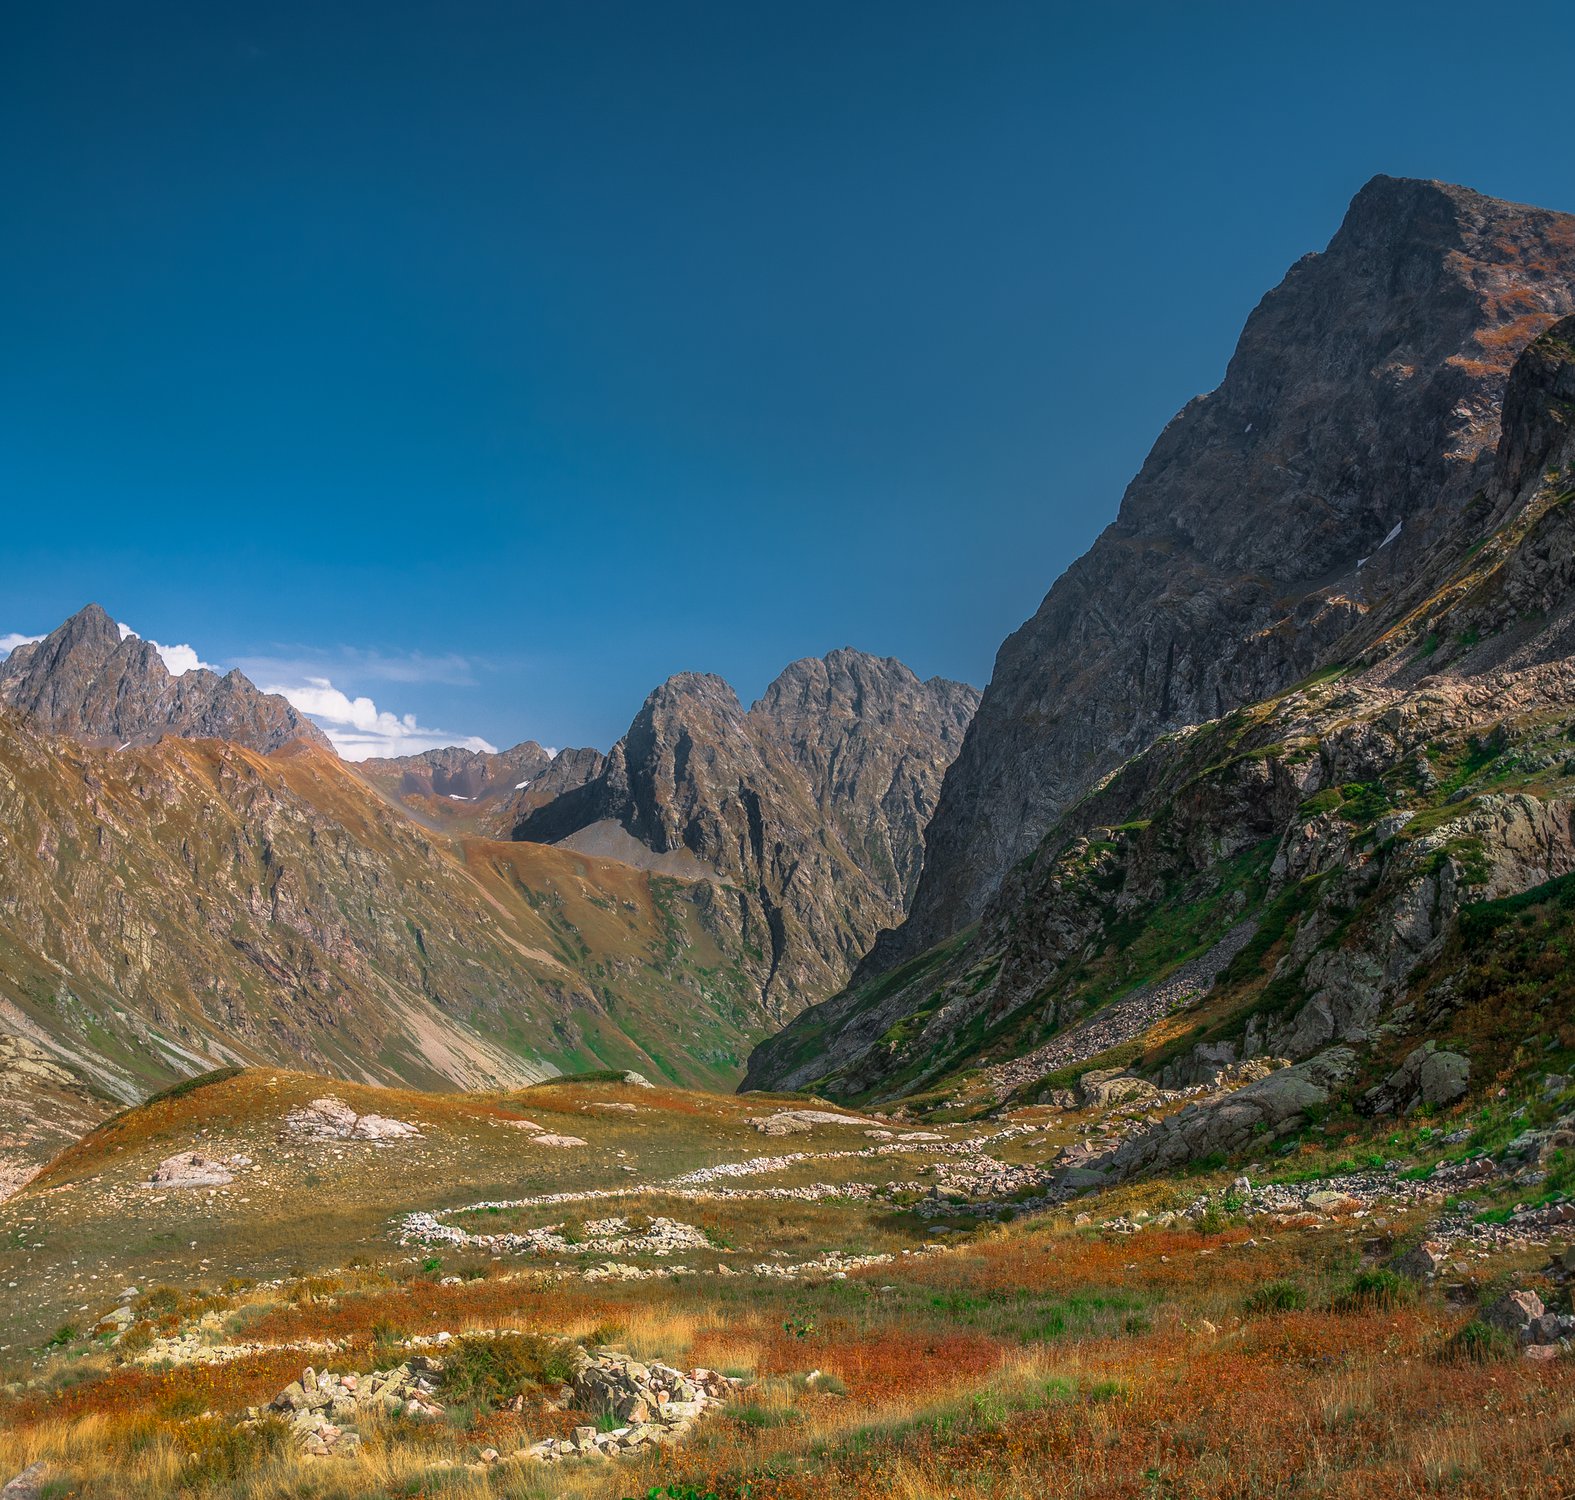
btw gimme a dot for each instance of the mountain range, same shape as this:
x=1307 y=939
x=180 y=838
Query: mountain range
x=1234 y=792
x=191 y=878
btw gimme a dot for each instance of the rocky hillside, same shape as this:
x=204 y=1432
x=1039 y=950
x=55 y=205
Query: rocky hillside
x=176 y=907
x=1272 y=519
x=1301 y=880
x=86 y=681
x=811 y=805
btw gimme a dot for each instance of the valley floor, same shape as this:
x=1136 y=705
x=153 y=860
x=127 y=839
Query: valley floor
x=894 y=1308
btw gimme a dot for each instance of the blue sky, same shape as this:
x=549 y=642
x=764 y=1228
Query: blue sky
x=490 y=361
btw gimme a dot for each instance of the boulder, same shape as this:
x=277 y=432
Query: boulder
x=1427 y=1076
x=1421 y=1263
x=1273 y=1106
x=1516 y=1312
x=192 y=1169
x=28 y=1485
x=1106 y=1087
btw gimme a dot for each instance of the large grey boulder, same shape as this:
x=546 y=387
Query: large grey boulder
x=1273 y=1106
x=1427 y=1076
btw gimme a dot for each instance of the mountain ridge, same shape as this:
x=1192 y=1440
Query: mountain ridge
x=89 y=679
x=1262 y=528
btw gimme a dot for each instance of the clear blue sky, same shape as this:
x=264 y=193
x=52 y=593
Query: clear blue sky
x=495 y=360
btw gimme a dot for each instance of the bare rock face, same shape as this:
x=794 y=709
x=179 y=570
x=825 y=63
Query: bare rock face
x=810 y=806
x=84 y=681
x=1363 y=393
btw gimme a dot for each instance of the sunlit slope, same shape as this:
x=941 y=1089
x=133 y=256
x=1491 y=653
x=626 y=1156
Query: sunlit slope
x=164 y=910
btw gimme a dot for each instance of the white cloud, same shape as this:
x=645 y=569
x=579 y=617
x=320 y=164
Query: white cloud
x=360 y=730
x=178 y=659
x=9 y=643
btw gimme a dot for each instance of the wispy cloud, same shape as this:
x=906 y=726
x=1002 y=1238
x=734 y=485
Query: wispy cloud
x=9 y=643
x=360 y=665
x=359 y=729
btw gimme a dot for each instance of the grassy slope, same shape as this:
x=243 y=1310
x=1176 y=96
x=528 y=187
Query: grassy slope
x=1032 y=1358
x=192 y=903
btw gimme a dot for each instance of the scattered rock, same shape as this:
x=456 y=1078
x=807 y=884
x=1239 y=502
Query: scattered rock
x=192 y=1169
x=548 y=1139
x=333 y=1120
x=657 y=1404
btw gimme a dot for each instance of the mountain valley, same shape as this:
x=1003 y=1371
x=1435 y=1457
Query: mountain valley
x=1152 y=1077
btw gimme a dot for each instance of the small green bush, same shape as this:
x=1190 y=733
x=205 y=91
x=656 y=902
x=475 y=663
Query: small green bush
x=1375 y=1291
x=1479 y=1343
x=494 y=1368
x=1277 y=1296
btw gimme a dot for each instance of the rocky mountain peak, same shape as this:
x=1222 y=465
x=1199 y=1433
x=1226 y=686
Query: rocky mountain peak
x=1271 y=517
x=811 y=804
x=86 y=681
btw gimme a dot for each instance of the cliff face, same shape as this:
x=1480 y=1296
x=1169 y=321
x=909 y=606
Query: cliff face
x=810 y=807
x=83 y=680
x=1310 y=856
x=1350 y=427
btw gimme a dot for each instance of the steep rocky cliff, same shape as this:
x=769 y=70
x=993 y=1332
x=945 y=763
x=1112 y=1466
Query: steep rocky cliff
x=1270 y=519
x=1291 y=877
x=86 y=681
x=810 y=807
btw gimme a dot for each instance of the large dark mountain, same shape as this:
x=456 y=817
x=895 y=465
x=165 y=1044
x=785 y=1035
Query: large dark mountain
x=85 y=681
x=1351 y=425
x=810 y=806
x=1290 y=778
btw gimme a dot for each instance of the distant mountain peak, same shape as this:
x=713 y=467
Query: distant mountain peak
x=811 y=804
x=95 y=682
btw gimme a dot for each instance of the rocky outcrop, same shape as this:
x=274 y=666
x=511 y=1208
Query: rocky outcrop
x=1272 y=517
x=810 y=806
x=334 y=1120
x=85 y=681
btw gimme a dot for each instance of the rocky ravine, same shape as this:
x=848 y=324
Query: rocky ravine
x=1350 y=427
x=812 y=804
